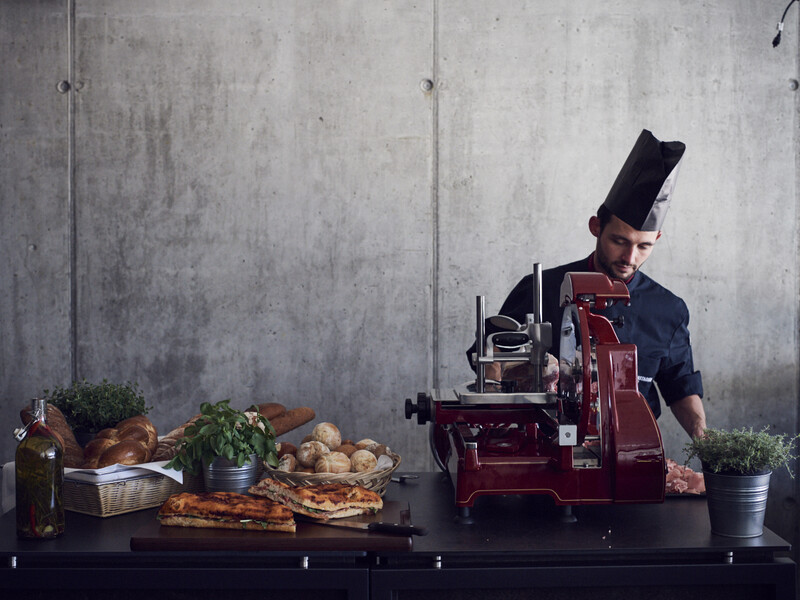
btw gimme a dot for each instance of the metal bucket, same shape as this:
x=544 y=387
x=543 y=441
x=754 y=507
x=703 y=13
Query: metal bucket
x=222 y=475
x=737 y=503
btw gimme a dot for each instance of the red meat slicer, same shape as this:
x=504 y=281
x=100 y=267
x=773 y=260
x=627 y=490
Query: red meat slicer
x=589 y=439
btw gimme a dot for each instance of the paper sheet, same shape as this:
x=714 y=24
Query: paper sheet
x=122 y=472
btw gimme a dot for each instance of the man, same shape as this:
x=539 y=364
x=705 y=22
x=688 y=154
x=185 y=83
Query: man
x=627 y=226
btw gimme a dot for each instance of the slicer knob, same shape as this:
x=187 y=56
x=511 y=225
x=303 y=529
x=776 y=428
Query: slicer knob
x=422 y=408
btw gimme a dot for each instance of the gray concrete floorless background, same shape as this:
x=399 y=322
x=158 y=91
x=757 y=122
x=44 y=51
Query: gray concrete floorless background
x=260 y=200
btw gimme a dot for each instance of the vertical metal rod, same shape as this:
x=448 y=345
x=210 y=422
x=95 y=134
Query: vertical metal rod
x=537 y=292
x=435 y=204
x=480 y=343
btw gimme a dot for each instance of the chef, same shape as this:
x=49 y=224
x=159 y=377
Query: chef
x=627 y=227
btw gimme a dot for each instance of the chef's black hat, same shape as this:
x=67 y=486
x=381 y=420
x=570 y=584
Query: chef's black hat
x=641 y=193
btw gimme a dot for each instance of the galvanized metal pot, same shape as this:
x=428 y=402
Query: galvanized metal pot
x=737 y=503
x=222 y=475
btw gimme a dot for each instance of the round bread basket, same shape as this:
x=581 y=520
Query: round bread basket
x=371 y=480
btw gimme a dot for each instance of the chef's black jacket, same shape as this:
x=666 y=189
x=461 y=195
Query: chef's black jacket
x=656 y=321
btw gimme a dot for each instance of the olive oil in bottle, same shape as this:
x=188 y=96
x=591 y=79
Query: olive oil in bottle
x=39 y=473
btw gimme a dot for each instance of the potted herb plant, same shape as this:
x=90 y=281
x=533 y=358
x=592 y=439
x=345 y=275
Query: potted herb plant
x=90 y=407
x=228 y=445
x=737 y=466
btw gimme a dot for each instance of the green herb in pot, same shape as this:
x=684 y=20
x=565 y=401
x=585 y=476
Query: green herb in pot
x=742 y=451
x=90 y=407
x=224 y=431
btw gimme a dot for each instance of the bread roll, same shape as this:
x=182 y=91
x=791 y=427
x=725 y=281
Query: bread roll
x=287 y=463
x=346 y=449
x=127 y=452
x=377 y=449
x=363 y=444
x=328 y=434
x=286 y=448
x=333 y=462
x=309 y=452
x=363 y=461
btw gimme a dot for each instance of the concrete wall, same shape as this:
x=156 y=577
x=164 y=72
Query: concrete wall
x=259 y=200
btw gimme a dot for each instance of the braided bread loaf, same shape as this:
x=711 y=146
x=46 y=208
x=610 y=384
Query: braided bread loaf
x=130 y=442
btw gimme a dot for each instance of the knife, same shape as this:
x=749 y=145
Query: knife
x=376 y=526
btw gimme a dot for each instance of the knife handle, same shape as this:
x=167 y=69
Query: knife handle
x=386 y=527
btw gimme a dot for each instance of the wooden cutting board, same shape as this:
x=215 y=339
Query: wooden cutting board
x=309 y=537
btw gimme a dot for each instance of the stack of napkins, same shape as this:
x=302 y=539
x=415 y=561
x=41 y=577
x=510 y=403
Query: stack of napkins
x=122 y=472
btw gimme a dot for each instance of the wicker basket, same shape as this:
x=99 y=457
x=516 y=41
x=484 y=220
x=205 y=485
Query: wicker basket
x=129 y=495
x=371 y=480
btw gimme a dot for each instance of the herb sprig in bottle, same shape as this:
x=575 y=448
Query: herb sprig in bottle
x=39 y=474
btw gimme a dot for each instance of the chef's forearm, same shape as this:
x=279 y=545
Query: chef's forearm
x=690 y=414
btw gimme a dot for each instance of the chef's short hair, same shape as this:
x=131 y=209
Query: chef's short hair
x=604 y=216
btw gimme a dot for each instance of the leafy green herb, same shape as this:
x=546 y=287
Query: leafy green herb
x=227 y=432
x=742 y=451
x=89 y=407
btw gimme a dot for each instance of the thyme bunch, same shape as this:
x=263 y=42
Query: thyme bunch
x=90 y=407
x=742 y=451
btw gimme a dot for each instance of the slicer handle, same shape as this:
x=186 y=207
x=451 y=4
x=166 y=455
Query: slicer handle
x=510 y=340
x=385 y=527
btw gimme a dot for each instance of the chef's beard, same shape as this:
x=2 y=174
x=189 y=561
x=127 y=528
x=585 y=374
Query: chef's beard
x=610 y=269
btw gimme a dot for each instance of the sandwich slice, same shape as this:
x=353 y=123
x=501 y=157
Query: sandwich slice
x=225 y=510
x=323 y=501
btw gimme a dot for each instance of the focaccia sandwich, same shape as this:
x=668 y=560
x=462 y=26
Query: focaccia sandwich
x=322 y=501
x=225 y=510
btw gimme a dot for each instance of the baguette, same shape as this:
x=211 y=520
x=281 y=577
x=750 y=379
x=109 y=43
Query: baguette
x=271 y=410
x=293 y=419
x=73 y=453
x=165 y=450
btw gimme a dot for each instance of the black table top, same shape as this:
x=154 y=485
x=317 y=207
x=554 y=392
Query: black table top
x=531 y=526
x=505 y=528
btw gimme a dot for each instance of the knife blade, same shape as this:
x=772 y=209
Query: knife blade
x=376 y=526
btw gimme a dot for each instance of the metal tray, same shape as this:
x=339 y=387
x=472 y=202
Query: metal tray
x=466 y=394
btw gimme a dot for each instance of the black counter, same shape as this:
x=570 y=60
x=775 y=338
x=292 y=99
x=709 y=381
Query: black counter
x=518 y=547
